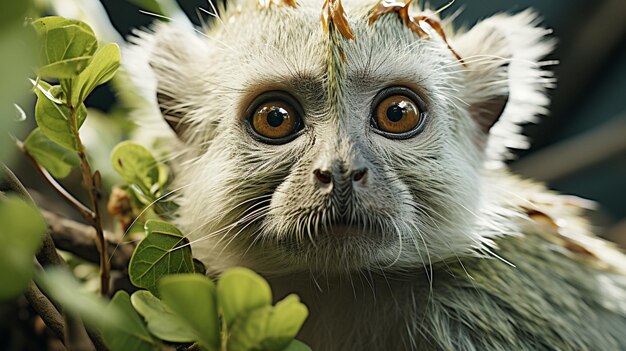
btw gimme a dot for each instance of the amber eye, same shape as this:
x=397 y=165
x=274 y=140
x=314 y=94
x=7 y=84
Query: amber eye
x=398 y=113
x=275 y=118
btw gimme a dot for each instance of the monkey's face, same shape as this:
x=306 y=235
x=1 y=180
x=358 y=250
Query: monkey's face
x=314 y=151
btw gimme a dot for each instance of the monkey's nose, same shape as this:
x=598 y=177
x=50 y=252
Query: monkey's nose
x=326 y=177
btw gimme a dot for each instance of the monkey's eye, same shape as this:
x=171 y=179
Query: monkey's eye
x=398 y=113
x=275 y=118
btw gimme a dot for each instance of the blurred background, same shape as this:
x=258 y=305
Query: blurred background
x=580 y=149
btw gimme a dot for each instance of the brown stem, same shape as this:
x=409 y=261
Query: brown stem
x=84 y=210
x=79 y=239
x=91 y=182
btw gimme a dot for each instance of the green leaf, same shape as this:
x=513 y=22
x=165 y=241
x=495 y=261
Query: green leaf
x=54 y=119
x=169 y=8
x=149 y=5
x=159 y=254
x=136 y=165
x=100 y=70
x=162 y=322
x=248 y=331
x=297 y=345
x=64 y=69
x=13 y=12
x=240 y=290
x=284 y=323
x=268 y=328
x=198 y=267
x=22 y=229
x=18 y=52
x=57 y=160
x=67 y=47
x=131 y=333
x=63 y=288
x=42 y=25
x=192 y=297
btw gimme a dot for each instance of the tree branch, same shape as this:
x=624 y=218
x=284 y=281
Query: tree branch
x=79 y=239
x=46 y=310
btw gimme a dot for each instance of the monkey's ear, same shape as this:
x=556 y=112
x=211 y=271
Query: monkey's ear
x=164 y=62
x=503 y=75
x=173 y=61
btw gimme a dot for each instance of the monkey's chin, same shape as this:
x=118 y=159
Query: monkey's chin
x=335 y=250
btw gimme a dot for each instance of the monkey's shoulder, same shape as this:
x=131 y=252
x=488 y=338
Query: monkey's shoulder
x=553 y=286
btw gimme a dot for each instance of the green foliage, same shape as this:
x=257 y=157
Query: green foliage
x=192 y=297
x=160 y=7
x=122 y=328
x=269 y=328
x=160 y=319
x=22 y=229
x=18 y=55
x=100 y=70
x=57 y=160
x=233 y=291
x=69 y=52
x=67 y=47
x=130 y=333
x=163 y=251
x=146 y=177
x=136 y=165
x=64 y=289
x=150 y=5
x=12 y=12
x=55 y=120
x=192 y=306
x=297 y=345
x=179 y=305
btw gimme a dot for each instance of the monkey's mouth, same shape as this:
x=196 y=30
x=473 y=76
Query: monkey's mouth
x=342 y=229
x=334 y=231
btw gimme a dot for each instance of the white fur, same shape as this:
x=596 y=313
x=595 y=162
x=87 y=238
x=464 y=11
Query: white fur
x=430 y=202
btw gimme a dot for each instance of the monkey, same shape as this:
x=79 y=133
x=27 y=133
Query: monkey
x=354 y=152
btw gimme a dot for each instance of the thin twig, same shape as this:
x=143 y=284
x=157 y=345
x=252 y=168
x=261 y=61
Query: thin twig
x=84 y=210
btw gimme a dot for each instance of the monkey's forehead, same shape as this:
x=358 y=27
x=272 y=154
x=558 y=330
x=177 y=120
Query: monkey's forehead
x=341 y=15
x=333 y=31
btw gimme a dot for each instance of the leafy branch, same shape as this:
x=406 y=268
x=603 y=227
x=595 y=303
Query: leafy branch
x=70 y=54
x=173 y=303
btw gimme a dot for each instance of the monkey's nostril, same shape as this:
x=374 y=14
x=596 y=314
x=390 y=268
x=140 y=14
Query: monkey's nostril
x=357 y=176
x=324 y=177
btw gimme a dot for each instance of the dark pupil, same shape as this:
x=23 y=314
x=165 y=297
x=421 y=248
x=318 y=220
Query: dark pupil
x=276 y=117
x=395 y=113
